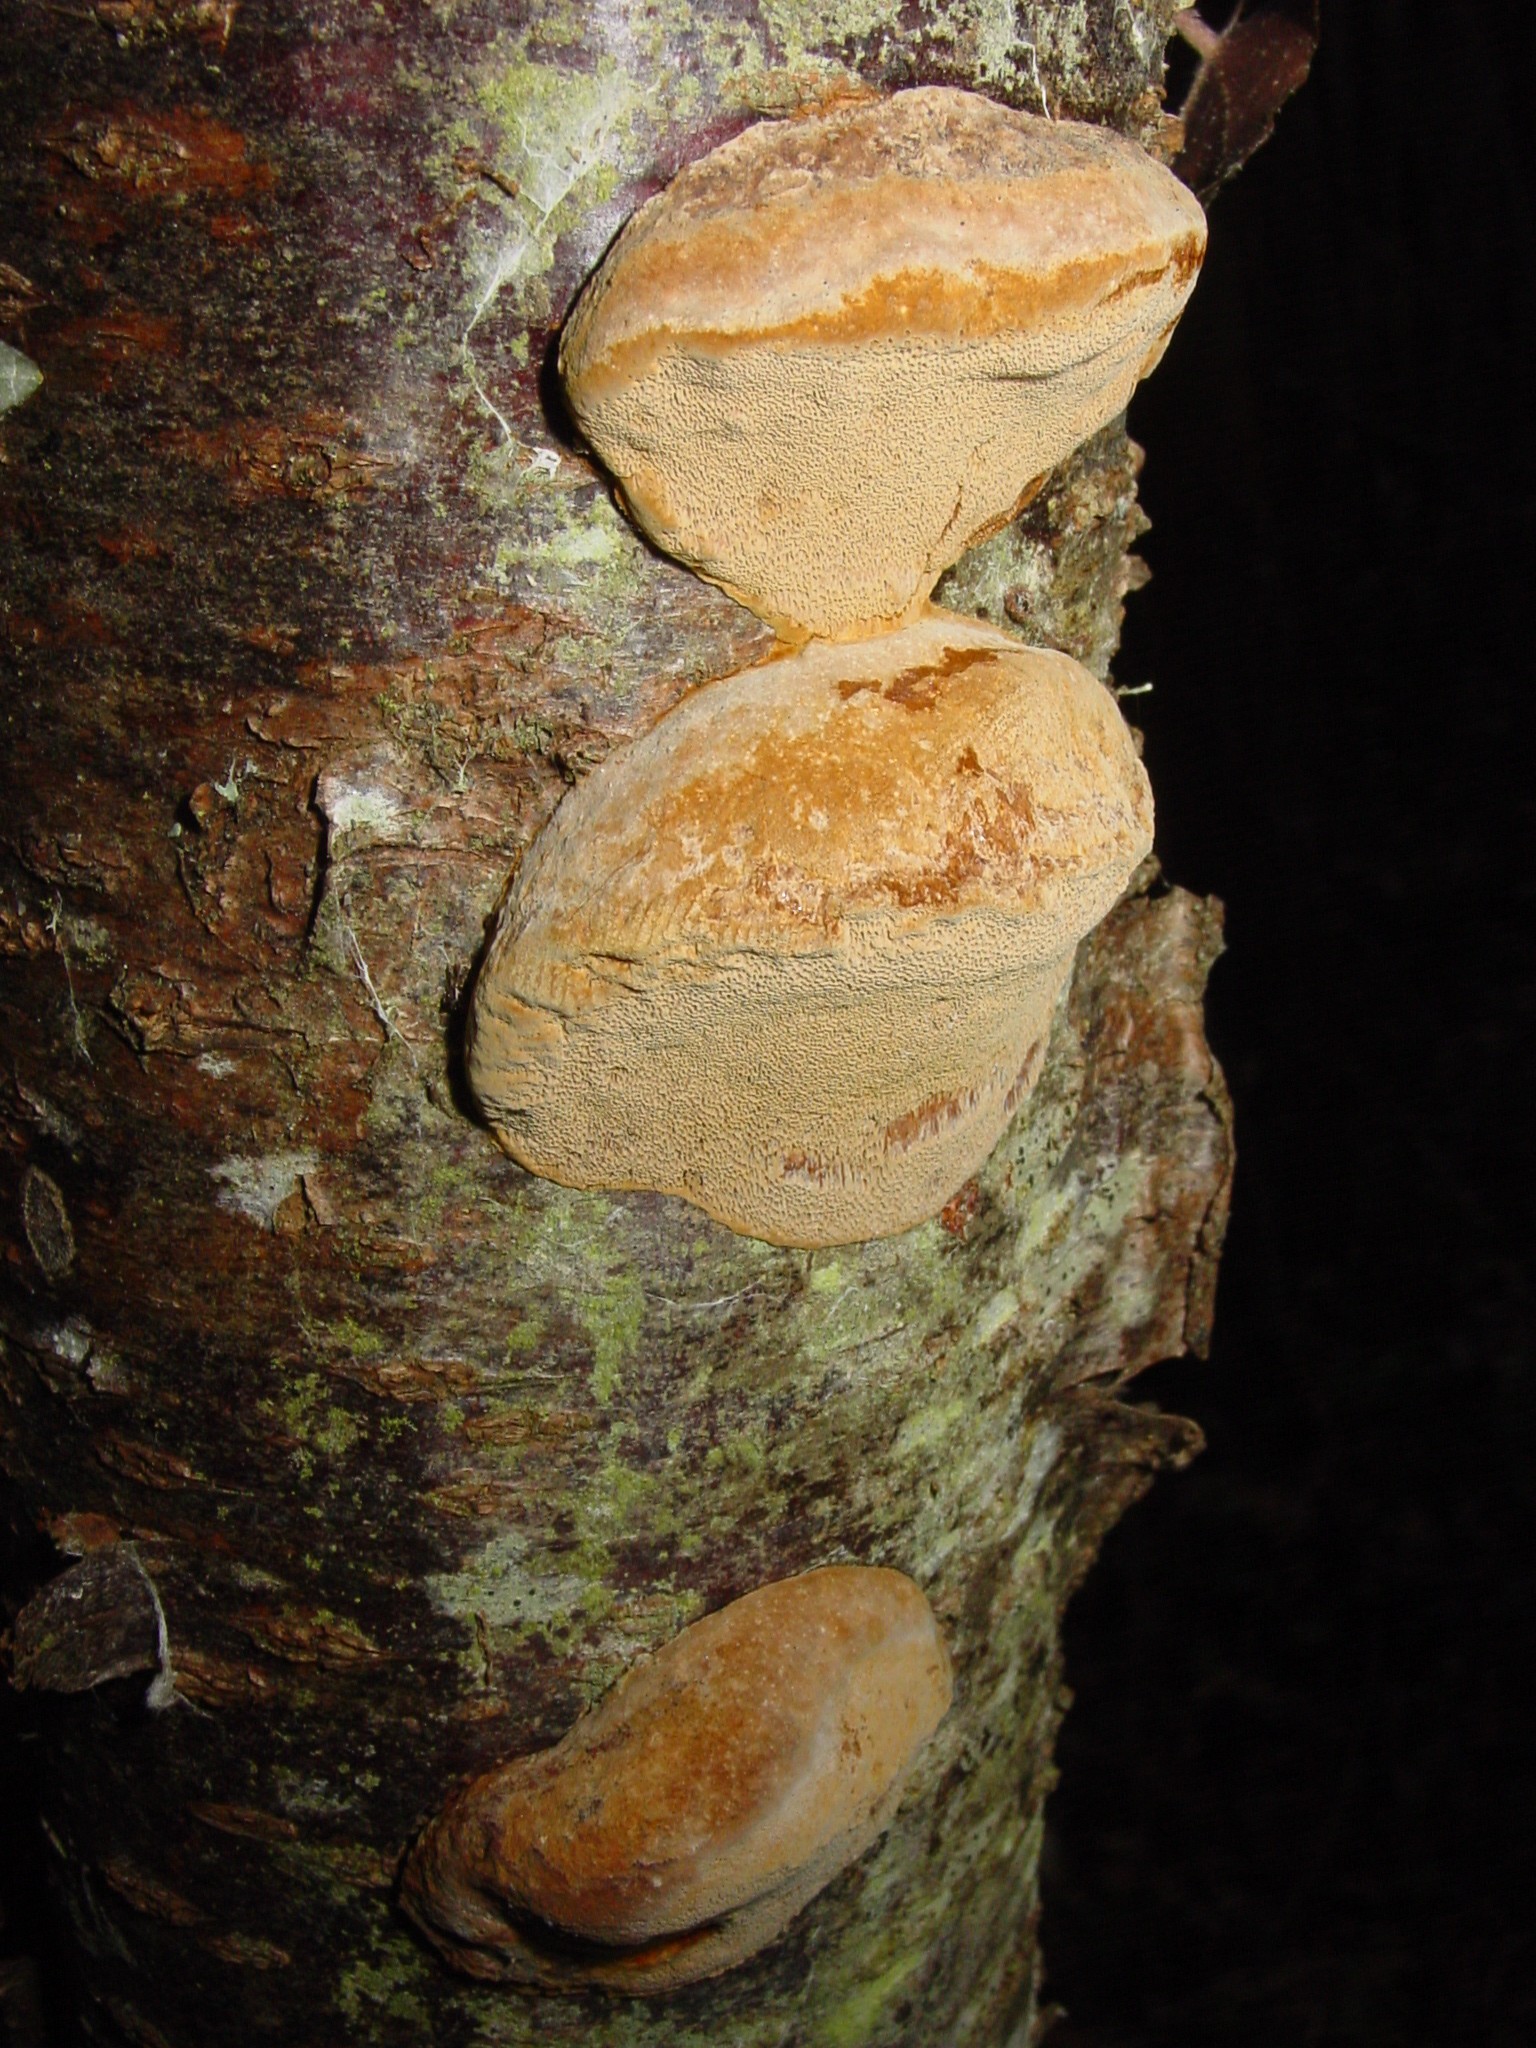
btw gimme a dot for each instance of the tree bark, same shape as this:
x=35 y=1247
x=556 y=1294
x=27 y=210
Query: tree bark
x=383 y=1458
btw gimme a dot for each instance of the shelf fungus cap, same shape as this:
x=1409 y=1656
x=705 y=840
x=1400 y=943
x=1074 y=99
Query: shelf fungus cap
x=683 y=1823
x=838 y=350
x=794 y=954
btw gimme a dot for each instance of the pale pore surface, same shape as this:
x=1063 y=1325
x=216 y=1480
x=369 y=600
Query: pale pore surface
x=793 y=954
x=717 y=1788
x=833 y=353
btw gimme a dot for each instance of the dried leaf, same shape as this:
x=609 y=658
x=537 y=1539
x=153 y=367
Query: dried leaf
x=1247 y=73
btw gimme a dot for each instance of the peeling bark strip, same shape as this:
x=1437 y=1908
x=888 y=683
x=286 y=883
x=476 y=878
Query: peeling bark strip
x=101 y=1619
x=311 y=615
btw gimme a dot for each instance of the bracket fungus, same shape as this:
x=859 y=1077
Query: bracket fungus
x=835 y=352
x=794 y=953
x=684 y=1822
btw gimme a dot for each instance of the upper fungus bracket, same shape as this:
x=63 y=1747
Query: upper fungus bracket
x=833 y=352
x=681 y=1824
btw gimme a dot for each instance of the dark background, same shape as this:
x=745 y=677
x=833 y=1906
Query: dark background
x=1296 y=1801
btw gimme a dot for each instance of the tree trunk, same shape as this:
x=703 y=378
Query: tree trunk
x=383 y=1458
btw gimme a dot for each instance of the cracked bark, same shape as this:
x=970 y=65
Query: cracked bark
x=312 y=612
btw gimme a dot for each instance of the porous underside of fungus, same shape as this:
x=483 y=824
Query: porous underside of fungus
x=794 y=954
x=683 y=1823
x=836 y=351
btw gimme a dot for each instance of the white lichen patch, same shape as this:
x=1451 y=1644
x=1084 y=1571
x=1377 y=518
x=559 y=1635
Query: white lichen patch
x=503 y=1585
x=1066 y=36
x=564 y=144
x=81 y=938
x=999 y=1470
x=812 y=28
x=19 y=377
x=576 y=557
x=994 y=42
x=1064 y=1233
x=1044 y=1449
x=312 y=1798
x=70 y=1341
x=257 y=1187
x=351 y=805
x=994 y=1316
x=565 y=141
